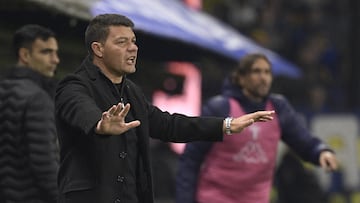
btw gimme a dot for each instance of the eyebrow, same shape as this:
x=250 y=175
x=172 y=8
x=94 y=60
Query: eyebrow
x=47 y=50
x=123 y=37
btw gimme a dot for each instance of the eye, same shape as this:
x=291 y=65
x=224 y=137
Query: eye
x=46 y=51
x=255 y=70
x=258 y=70
x=121 y=42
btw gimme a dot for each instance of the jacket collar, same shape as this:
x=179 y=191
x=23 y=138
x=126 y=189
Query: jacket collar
x=46 y=83
x=92 y=70
x=235 y=91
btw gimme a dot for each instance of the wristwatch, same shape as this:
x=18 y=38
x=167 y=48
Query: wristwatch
x=228 y=125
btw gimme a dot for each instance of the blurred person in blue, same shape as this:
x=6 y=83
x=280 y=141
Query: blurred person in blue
x=105 y=122
x=29 y=153
x=241 y=167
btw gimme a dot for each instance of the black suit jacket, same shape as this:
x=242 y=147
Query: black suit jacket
x=80 y=100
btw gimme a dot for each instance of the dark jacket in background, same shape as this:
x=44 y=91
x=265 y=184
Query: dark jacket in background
x=80 y=100
x=28 y=142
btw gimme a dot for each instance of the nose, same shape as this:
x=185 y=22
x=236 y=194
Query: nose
x=133 y=47
x=55 y=58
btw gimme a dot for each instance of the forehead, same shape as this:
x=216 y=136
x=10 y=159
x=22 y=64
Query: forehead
x=261 y=63
x=42 y=44
x=120 y=31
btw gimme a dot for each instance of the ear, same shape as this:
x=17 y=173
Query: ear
x=97 y=49
x=24 y=55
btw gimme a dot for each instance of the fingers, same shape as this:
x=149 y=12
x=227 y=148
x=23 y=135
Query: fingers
x=133 y=124
x=264 y=119
x=130 y=125
x=328 y=161
x=113 y=121
x=332 y=165
x=259 y=116
x=329 y=165
x=124 y=110
x=111 y=111
x=119 y=110
x=264 y=115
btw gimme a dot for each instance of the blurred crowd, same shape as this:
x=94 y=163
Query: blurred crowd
x=310 y=33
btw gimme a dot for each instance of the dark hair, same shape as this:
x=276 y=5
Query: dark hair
x=245 y=64
x=25 y=36
x=98 y=28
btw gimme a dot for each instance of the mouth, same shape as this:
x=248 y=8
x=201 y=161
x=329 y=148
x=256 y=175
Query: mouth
x=131 y=60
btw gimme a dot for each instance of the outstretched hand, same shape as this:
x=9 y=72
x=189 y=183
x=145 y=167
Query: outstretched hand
x=239 y=123
x=113 y=121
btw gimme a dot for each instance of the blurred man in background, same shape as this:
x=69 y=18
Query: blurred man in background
x=241 y=168
x=28 y=142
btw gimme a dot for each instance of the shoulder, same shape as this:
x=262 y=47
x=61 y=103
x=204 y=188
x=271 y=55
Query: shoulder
x=278 y=99
x=24 y=93
x=217 y=101
x=85 y=72
x=24 y=87
x=216 y=106
x=73 y=78
x=282 y=106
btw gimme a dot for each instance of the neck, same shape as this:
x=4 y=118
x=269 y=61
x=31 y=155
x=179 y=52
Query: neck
x=252 y=97
x=21 y=64
x=114 y=78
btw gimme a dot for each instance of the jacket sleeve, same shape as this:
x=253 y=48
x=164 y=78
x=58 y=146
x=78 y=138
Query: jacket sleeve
x=188 y=171
x=181 y=128
x=42 y=142
x=296 y=134
x=73 y=104
x=195 y=153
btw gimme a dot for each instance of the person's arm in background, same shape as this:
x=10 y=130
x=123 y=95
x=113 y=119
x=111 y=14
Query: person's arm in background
x=195 y=153
x=188 y=170
x=299 y=138
x=43 y=149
